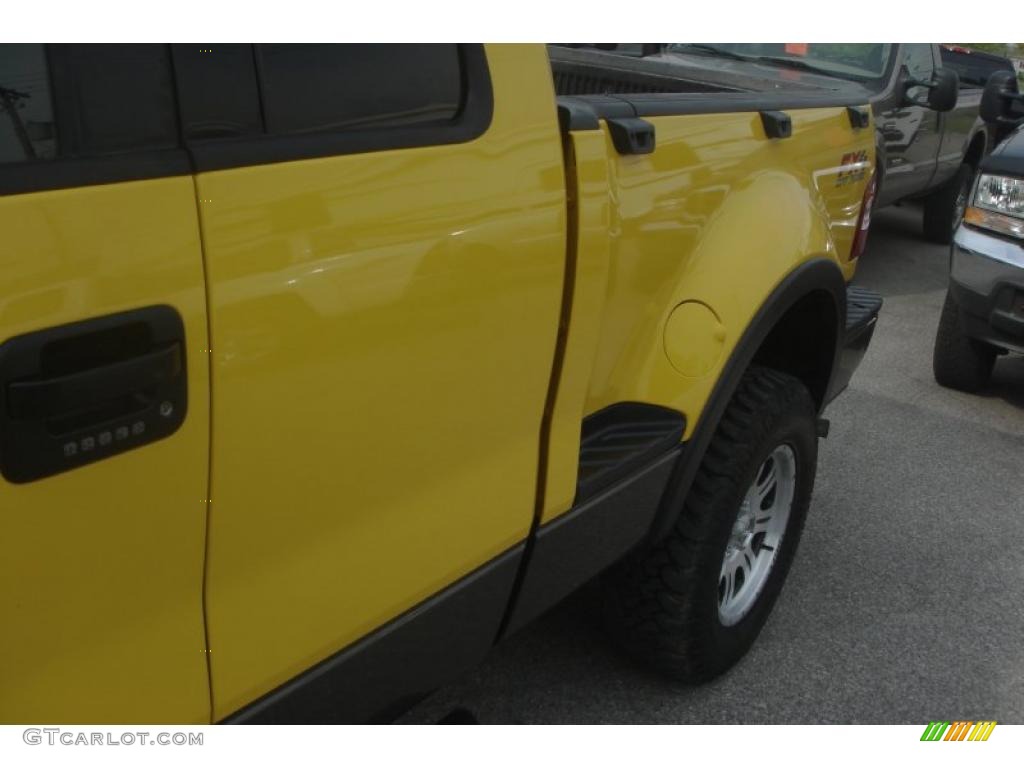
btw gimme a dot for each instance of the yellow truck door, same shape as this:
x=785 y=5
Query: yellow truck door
x=104 y=420
x=384 y=234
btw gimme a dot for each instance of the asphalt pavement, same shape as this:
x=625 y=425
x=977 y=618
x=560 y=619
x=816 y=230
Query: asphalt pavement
x=906 y=600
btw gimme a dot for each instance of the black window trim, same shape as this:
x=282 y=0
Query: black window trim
x=71 y=172
x=471 y=121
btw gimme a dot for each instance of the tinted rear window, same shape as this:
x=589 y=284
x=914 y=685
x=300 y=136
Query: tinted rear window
x=328 y=87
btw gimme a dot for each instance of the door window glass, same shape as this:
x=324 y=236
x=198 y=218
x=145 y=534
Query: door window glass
x=26 y=110
x=329 y=87
x=85 y=100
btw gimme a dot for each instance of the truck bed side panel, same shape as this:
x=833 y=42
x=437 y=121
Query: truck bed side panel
x=703 y=229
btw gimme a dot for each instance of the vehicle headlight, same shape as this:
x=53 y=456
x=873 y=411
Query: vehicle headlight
x=998 y=205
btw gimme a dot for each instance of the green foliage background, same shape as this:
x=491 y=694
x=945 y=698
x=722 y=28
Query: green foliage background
x=1003 y=49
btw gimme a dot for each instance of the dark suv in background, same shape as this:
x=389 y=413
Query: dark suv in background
x=983 y=316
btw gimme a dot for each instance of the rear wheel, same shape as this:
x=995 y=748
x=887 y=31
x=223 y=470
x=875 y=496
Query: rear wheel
x=691 y=605
x=944 y=208
x=958 y=361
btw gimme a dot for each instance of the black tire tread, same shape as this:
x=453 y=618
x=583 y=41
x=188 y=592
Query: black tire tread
x=958 y=361
x=650 y=605
x=937 y=221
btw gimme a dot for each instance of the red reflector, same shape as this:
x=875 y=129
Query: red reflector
x=860 y=238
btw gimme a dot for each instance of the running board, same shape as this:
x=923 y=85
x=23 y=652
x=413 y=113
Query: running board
x=862 y=307
x=618 y=440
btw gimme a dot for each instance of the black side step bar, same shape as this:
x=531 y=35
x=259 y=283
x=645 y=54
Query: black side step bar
x=862 y=307
x=619 y=439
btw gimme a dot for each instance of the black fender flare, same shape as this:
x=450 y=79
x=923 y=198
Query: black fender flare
x=815 y=275
x=979 y=129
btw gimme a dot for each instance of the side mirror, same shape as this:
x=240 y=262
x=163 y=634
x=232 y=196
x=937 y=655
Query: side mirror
x=942 y=91
x=998 y=97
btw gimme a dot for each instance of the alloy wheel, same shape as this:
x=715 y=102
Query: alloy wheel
x=756 y=536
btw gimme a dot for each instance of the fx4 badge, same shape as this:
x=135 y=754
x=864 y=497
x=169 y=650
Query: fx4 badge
x=852 y=168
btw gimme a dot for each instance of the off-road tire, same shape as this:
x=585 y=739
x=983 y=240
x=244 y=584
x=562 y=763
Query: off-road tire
x=661 y=604
x=942 y=214
x=960 y=362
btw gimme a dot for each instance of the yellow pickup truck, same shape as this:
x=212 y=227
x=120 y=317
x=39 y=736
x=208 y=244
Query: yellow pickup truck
x=325 y=368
